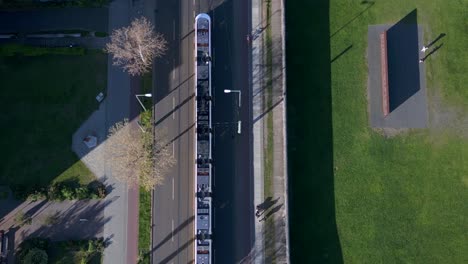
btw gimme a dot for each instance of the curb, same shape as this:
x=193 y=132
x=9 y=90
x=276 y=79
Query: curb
x=285 y=137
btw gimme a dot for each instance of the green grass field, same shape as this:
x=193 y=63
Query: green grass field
x=357 y=196
x=44 y=100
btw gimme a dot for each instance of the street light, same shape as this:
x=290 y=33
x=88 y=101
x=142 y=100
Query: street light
x=234 y=91
x=142 y=95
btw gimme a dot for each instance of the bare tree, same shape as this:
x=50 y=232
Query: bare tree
x=134 y=47
x=137 y=157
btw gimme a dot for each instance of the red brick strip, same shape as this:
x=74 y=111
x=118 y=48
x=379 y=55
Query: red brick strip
x=384 y=73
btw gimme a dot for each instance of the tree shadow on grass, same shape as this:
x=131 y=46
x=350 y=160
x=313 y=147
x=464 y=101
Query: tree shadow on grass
x=313 y=232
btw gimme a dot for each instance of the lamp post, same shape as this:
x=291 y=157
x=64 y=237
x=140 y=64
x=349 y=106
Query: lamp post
x=234 y=91
x=142 y=95
x=148 y=95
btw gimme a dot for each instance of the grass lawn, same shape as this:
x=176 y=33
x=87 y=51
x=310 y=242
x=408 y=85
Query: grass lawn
x=359 y=197
x=44 y=100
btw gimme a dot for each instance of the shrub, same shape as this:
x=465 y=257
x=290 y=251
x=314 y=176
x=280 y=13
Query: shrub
x=67 y=193
x=22 y=219
x=52 y=219
x=91 y=246
x=82 y=193
x=36 y=256
x=38 y=195
x=61 y=191
x=53 y=193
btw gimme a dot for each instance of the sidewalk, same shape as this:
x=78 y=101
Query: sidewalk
x=269 y=118
x=113 y=109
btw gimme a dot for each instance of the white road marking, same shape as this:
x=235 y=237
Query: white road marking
x=173 y=69
x=173 y=107
x=172 y=232
x=173 y=149
x=172 y=188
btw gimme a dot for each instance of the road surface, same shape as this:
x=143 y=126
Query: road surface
x=173 y=231
x=173 y=210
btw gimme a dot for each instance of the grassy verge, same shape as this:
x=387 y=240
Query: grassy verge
x=46 y=99
x=144 y=226
x=144 y=234
x=268 y=148
x=24 y=50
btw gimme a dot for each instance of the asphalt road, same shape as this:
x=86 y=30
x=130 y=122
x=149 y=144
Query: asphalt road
x=173 y=210
x=233 y=171
x=232 y=152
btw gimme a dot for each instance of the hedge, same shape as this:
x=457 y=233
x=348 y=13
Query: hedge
x=60 y=192
x=18 y=49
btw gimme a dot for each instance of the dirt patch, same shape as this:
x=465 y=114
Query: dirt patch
x=443 y=118
x=391 y=132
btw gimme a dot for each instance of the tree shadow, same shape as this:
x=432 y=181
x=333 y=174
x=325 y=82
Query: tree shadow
x=369 y=5
x=82 y=220
x=271 y=212
x=312 y=221
x=170 y=235
x=403 y=60
x=434 y=50
x=441 y=35
x=342 y=53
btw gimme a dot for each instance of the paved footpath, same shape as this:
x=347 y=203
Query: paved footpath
x=271 y=228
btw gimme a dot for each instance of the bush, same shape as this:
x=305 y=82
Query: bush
x=36 y=256
x=18 y=49
x=60 y=192
x=82 y=193
x=38 y=195
x=67 y=193
x=91 y=246
x=30 y=244
x=22 y=219
x=52 y=219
